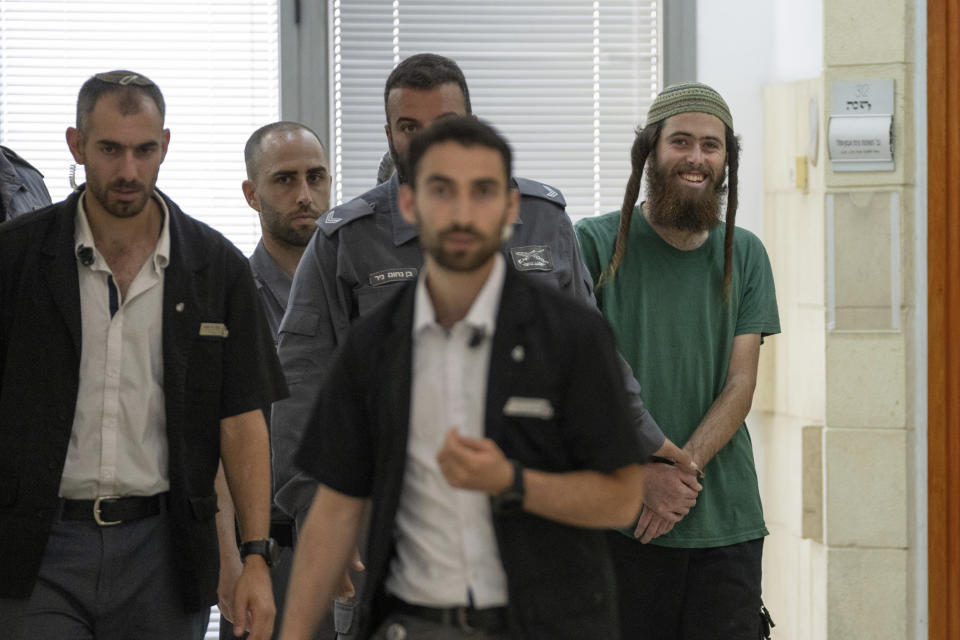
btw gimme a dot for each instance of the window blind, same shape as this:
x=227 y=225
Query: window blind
x=566 y=81
x=215 y=61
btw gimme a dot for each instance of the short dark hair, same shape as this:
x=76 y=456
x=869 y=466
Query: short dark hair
x=464 y=130
x=129 y=84
x=425 y=71
x=251 y=151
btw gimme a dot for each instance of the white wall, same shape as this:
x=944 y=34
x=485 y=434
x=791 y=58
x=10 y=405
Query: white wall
x=743 y=45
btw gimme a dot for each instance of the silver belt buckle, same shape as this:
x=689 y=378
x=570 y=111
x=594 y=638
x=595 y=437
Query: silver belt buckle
x=96 y=512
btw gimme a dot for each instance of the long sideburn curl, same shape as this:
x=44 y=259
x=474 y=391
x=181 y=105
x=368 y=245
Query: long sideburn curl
x=730 y=218
x=644 y=142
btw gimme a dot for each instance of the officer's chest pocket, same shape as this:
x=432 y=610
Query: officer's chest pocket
x=533 y=432
x=205 y=364
x=369 y=298
x=553 y=278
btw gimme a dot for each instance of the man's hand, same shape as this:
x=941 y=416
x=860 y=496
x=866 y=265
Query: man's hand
x=474 y=463
x=686 y=464
x=231 y=566
x=669 y=491
x=651 y=525
x=253 y=601
x=681 y=458
x=346 y=591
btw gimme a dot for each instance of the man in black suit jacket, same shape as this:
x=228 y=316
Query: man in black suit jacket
x=485 y=418
x=134 y=355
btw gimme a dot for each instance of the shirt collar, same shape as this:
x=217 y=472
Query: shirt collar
x=482 y=315
x=83 y=237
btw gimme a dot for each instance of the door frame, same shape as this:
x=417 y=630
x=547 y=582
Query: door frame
x=943 y=317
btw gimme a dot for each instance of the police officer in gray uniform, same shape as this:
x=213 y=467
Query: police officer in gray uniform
x=22 y=189
x=288 y=185
x=364 y=249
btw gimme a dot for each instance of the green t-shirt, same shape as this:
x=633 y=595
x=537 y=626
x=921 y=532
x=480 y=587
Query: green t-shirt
x=672 y=326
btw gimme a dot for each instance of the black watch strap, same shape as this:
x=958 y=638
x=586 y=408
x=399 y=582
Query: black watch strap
x=511 y=500
x=266 y=548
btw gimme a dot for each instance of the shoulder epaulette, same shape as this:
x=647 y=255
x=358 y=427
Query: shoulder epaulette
x=13 y=157
x=540 y=190
x=346 y=213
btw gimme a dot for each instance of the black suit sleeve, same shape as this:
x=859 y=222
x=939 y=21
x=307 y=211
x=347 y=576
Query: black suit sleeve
x=251 y=374
x=337 y=447
x=596 y=417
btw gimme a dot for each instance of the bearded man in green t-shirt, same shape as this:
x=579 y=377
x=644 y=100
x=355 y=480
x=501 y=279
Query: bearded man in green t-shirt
x=690 y=297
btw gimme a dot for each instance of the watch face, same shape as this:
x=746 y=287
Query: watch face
x=509 y=501
x=266 y=548
x=273 y=550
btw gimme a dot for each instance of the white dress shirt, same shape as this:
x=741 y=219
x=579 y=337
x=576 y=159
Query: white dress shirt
x=118 y=446
x=447 y=551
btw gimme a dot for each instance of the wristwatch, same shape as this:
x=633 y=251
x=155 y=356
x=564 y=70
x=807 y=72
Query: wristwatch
x=511 y=499
x=266 y=548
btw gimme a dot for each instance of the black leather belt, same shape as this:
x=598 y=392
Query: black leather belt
x=108 y=510
x=282 y=532
x=491 y=620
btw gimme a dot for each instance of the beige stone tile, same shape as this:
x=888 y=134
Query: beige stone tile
x=807 y=364
x=866 y=594
x=817 y=629
x=765 y=395
x=784 y=578
x=864 y=318
x=777 y=455
x=866 y=32
x=794 y=586
x=862 y=236
x=772 y=367
x=914 y=359
x=792 y=364
x=866 y=487
x=907 y=258
x=780 y=347
x=865 y=380
x=808 y=236
x=812 y=484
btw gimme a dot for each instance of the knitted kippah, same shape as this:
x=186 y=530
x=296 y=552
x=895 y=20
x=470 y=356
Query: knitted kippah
x=686 y=97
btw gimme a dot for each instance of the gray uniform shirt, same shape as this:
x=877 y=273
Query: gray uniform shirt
x=273 y=285
x=21 y=186
x=363 y=251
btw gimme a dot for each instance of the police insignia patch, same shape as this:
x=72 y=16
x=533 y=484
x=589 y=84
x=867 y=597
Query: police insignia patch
x=534 y=257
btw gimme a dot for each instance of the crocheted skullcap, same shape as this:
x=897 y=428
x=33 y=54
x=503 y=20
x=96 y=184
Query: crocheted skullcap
x=686 y=97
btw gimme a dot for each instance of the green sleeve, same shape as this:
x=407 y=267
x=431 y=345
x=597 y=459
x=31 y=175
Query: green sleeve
x=590 y=253
x=758 y=298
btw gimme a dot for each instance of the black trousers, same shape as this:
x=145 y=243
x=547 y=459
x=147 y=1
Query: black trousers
x=105 y=583
x=687 y=594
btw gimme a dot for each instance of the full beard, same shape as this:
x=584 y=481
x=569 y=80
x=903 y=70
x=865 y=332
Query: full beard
x=278 y=226
x=120 y=208
x=461 y=261
x=399 y=164
x=671 y=205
